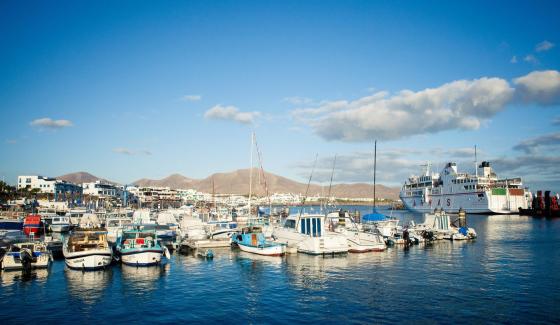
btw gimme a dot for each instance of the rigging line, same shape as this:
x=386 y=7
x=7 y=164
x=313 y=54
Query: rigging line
x=259 y=157
x=308 y=184
x=330 y=184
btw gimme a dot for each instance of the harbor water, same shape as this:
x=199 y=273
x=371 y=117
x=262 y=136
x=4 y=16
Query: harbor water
x=510 y=274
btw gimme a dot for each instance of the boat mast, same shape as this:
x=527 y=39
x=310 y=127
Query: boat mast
x=374 y=172
x=308 y=184
x=251 y=171
x=259 y=157
x=330 y=184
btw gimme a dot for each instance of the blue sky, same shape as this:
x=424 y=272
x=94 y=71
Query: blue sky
x=144 y=89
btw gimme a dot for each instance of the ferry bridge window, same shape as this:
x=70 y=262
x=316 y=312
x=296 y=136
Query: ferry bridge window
x=308 y=222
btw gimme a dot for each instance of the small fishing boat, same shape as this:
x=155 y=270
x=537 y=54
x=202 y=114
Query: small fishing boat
x=140 y=246
x=87 y=249
x=60 y=224
x=439 y=225
x=27 y=255
x=32 y=225
x=251 y=239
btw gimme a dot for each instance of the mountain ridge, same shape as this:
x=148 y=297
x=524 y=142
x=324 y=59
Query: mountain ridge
x=237 y=182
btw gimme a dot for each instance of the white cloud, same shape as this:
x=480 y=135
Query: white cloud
x=129 y=152
x=462 y=104
x=513 y=59
x=191 y=98
x=49 y=123
x=231 y=113
x=542 y=87
x=531 y=59
x=11 y=141
x=458 y=105
x=544 y=46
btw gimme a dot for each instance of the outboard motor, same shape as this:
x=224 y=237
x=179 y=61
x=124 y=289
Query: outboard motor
x=27 y=260
x=406 y=237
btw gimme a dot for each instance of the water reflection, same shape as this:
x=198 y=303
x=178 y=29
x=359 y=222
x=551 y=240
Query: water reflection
x=140 y=279
x=267 y=261
x=10 y=277
x=88 y=286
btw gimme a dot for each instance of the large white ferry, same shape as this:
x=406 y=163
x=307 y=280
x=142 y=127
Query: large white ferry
x=451 y=191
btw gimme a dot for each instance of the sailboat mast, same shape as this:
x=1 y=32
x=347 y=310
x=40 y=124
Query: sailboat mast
x=251 y=172
x=374 y=172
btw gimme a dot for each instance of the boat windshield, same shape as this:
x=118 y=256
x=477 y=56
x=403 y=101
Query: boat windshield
x=290 y=224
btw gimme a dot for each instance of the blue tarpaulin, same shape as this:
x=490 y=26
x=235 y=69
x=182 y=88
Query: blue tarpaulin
x=374 y=217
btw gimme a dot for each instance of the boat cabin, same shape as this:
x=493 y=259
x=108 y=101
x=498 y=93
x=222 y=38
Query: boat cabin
x=311 y=225
x=81 y=241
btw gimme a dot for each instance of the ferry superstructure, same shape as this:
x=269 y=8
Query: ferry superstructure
x=451 y=191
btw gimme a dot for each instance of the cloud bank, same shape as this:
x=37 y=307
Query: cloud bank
x=458 y=105
x=49 y=123
x=231 y=113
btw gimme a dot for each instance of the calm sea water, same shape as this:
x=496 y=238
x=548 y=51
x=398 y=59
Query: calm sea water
x=510 y=274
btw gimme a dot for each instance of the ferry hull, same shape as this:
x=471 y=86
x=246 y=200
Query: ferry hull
x=478 y=203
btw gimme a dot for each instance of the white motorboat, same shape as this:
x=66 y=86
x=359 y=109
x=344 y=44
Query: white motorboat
x=438 y=226
x=192 y=228
x=87 y=249
x=140 y=246
x=27 y=255
x=358 y=240
x=306 y=234
x=60 y=224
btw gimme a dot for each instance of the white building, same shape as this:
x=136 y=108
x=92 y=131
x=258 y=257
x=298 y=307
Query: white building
x=49 y=185
x=100 y=189
x=44 y=184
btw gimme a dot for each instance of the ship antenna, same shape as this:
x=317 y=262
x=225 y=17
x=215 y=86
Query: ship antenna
x=308 y=183
x=475 y=162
